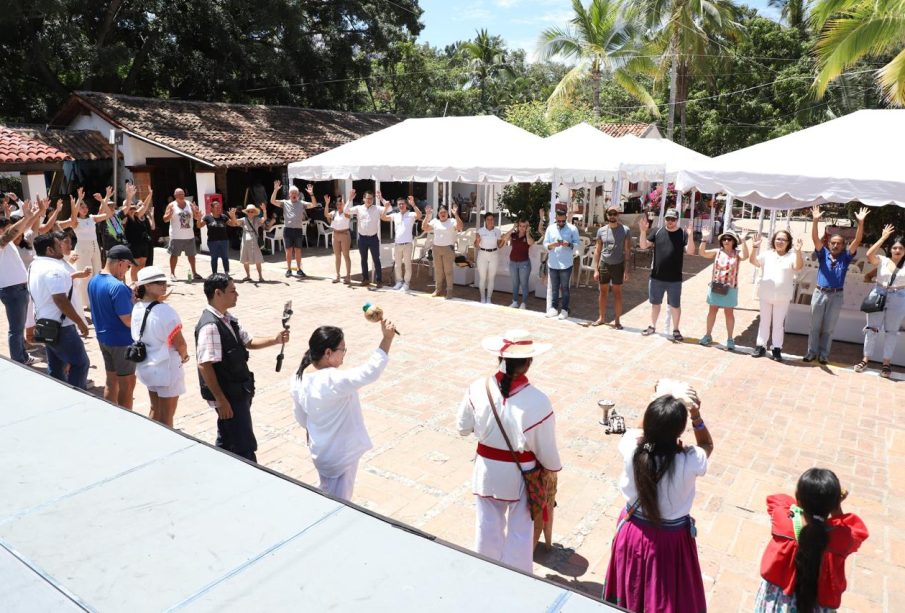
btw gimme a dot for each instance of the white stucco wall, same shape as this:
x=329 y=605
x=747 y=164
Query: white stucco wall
x=135 y=152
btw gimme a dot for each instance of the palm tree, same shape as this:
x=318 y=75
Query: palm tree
x=694 y=36
x=853 y=29
x=603 y=39
x=793 y=12
x=486 y=59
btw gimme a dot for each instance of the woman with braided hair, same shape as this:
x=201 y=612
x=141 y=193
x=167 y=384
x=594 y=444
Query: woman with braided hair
x=327 y=406
x=504 y=527
x=654 y=562
x=803 y=567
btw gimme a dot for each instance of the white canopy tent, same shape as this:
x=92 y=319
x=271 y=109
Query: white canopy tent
x=854 y=157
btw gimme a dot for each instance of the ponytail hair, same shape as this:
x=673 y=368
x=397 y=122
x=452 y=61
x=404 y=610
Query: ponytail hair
x=511 y=368
x=322 y=339
x=664 y=422
x=818 y=494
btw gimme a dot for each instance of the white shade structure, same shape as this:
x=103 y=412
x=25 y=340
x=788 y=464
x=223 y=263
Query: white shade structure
x=653 y=159
x=583 y=154
x=480 y=149
x=855 y=157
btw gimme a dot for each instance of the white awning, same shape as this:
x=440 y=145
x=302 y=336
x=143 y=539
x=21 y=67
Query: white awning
x=855 y=157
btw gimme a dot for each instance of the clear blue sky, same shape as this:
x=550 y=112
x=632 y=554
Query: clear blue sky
x=519 y=22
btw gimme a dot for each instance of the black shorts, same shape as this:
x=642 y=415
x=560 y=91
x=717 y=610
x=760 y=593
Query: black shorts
x=293 y=237
x=611 y=273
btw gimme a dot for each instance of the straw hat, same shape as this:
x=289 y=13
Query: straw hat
x=150 y=274
x=514 y=344
x=251 y=211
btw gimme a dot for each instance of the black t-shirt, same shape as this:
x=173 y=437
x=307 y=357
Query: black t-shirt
x=217 y=228
x=669 y=249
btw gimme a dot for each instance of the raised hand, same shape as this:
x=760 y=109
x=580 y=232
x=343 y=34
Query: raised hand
x=411 y=201
x=798 y=244
x=327 y=199
x=277 y=185
x=109 y=192
x=888 y=230
x=80 y=193
x=861 y=214
x=455 y=209
x=309 y=189
x=232 y=214
x=352 y=194
x=755 y=243
x=644 y=225
x=816 y=213
x=59 y=203
x=98 y=197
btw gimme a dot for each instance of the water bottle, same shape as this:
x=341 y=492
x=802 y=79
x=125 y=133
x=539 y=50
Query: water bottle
x=189 y=277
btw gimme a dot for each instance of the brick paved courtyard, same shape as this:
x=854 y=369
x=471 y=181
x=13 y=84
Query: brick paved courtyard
x=769 y=421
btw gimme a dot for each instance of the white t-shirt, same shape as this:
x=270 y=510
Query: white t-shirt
x=76 y=299
x=12 y=269
x=48 y=276
x=86 y=230
x=340 y=221
x=778 y=281
x=326 y=404
x=675 y=491
x=163 y=366
x=444 y=232
x=489 y=238
x=403 y=223
x=26 y=251
x=182 y=223
x=368 y=219
x=884 y=273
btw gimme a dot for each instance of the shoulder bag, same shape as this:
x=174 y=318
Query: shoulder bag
x=137 y=352
x=875 y=301
x=47 y=330
x=534 y=478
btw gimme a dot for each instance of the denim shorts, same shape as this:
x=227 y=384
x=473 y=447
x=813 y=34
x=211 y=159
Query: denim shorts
x=672 y=289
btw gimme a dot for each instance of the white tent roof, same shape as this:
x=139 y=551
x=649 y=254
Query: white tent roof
x=647 y=159
x=855 y=157
x=583 y=154
x=482 y=149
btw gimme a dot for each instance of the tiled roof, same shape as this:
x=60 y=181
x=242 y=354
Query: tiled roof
x=21 y=147
x=226 y=135
x=623 y=129
x=80 y=144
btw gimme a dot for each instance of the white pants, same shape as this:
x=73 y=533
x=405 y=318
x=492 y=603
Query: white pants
x=504 y=531
x=487 y=264
x=89 y=255
x=772 y=320
x=402 y=254
x=340 y=486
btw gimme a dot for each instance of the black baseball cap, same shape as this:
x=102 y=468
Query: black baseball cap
x=121 y=252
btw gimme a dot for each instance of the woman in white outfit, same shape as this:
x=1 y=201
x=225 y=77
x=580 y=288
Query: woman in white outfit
x=89 y=252
x=487 y=242
x=326 y=404
x=162 y=371
x=504 y=529
x=777 y=286
x=891 y=282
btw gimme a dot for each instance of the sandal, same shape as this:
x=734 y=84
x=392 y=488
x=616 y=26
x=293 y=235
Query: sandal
x=886 y=371
x=617 y=326
x=596 y=323
x=677 y=336
x=860 y=366
x=648 y=331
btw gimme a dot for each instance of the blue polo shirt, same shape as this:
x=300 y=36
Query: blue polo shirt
x=110 y=298
x=561 y=258
x=831 y=273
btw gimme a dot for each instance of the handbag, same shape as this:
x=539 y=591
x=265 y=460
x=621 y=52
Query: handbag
x=137 y=351
x=534 y=478
x=875 y=301
x=720 y=288
x=47 y=330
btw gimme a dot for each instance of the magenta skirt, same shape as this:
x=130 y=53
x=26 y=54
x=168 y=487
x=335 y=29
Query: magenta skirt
x=655 y=568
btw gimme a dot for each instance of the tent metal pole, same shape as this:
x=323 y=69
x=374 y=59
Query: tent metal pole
x=727 y=214
x=760 y=233
x=693 y=194
x=665 y=189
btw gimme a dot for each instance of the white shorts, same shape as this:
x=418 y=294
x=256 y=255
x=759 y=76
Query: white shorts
x=174 y=389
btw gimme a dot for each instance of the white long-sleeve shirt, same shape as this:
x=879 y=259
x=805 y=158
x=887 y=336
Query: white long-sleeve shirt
x=326 y=404
x=530 y=424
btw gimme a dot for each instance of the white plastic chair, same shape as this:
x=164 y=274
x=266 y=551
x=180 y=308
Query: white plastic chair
x=325 y=231
x=274 y=237
x=305 y=232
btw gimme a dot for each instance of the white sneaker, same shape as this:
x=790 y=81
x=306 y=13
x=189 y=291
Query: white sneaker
x=551 y=312
x=514 y=305
x=405 y=287
x=522 y=306
x=564 y=314
x=398 y=285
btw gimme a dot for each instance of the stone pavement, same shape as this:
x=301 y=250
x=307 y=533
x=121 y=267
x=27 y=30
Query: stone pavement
x=769 y=421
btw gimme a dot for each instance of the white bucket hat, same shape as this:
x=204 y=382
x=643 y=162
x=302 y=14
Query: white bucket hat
x=514 y=344
x=251 y=210
x=150 y=274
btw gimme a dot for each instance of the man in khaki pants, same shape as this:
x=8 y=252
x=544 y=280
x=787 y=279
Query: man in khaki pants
x=445 y=231
x=404 y=223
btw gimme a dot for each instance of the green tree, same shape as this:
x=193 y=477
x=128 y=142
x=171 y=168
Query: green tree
x=536 y=118
x=693 y=36
x=486 y=60
x=603 y=40
x=793 y=12
x=854 y=29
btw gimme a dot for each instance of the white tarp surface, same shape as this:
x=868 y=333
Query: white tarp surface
x=102 y=509
x=855 y=157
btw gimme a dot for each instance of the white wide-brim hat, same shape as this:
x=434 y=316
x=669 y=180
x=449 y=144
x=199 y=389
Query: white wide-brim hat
x=251 y=210
x=150 y=274
x=515 y=344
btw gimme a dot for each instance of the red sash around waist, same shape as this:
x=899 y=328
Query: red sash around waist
x=504 y=455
